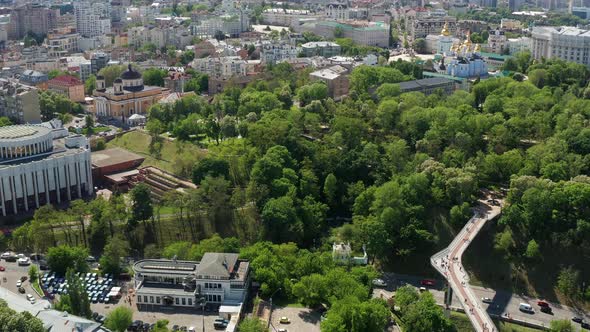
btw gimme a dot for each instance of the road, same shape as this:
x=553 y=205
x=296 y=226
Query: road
x=504 y=302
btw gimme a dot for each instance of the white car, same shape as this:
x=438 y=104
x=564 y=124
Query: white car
x=486 y=300
x=31 y=298
x=6 y=255
x=19 y=284
x=379 y=283
x=24 y=261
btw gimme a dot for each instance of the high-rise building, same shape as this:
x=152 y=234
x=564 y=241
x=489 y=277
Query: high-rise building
x=93 y=18
x=40 y=165
x=32 y=18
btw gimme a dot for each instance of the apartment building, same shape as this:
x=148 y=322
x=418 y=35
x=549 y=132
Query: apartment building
x=68 y=85
x=93 y=18
x=224 y=67
x=19 y=102
x=61 y=44
x=275 y=51
x=497 y=42
x=323 y=48
x=335 y=78
x=35 y=18
x=432 y=25
x=285 y=17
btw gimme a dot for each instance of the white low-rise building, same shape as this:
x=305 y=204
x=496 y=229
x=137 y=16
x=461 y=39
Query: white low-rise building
x=218 y=279
x=41 y=165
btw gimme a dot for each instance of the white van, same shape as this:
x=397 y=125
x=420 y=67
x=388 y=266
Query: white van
x=526 y=308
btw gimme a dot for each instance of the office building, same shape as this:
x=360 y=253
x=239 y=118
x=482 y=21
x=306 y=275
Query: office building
x=218 y=279
x=98 y=61
x=361 y=32
x=40 y=165
x=19 y=102
x=497 y=42
x=272 y=51
x=285 y=17
x=224 y=67
x=566 y=43
x=520 y=44
x=61 y=44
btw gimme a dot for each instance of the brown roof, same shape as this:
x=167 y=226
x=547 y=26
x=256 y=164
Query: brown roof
x=65 y=80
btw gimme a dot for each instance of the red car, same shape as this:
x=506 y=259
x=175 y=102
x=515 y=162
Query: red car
x=2 y=268
x=542 y=303
x=427 y=282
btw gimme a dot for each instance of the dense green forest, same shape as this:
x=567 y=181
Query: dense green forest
x=287 y=171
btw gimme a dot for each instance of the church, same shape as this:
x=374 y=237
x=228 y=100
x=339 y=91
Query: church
x=126 y=97
x=466 y=61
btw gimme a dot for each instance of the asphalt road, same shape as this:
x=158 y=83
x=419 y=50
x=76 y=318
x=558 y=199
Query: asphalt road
x=503 y=301
x=12 y=274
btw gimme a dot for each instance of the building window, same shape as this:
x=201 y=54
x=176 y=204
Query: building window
x=176 y=301
x=183 y=301
x=190 y=301
x=157 y=299
x=151 y=299
x=145 y=299
x=138 y=298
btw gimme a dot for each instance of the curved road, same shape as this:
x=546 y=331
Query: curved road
x=448 y=263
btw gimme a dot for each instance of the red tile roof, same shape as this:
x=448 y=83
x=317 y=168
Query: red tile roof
x=65 y=80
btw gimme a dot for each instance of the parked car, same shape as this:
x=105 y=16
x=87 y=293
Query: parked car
x=422 y=289
x=486 y=300
x=577 y=319
x=525 y=307
x=585 y=325
x=23 y=261
x=284 y=320
x=427 y=282
x=19 y=283
x=2 y=268
x=547 y=310
x=379 y=283
x=21 y=290
x=542 y=303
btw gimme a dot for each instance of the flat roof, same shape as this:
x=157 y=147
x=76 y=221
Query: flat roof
x=165 y=266
x=425 y=82
x=158 y=288
x=113 y=156
x=14 y=133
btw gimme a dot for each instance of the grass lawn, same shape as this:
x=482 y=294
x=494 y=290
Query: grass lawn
x=139 y=142
x=282 y=302
x=37 y=287
x=464 y=325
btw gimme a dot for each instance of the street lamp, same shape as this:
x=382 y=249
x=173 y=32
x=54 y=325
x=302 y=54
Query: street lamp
x=270 y=316
x=202 y=302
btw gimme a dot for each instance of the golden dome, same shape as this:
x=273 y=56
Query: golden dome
x=445 y=30
x=477 y=48
x=468 y=38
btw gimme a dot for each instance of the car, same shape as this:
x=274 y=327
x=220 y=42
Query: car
x=585 y=325
x=5 y=255
x=183 y=328
x=19 y=283
x=422 y=289
x=30 y=297
x=191 y=329
x=284 y=320
x=24 y=261
x=525 y=307
x=282 y=330
x=379 y=283
x=486 y=300
x=427 y=282
x=175 y=328
x=146 y=326
x=577 y=319
x=547 y=310
x=94 y=315
x=2 y=268
x=21 y=290
x=24 y=278
x=101 y=319
x=542 y=303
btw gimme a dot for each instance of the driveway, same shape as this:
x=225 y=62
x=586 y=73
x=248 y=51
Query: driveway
x=13 y=273
x=302 y=319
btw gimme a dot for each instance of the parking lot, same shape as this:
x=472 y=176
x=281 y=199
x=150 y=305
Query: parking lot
x=13 y=272
x=302 y=319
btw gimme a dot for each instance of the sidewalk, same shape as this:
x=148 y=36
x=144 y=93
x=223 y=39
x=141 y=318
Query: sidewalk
x=448 y=263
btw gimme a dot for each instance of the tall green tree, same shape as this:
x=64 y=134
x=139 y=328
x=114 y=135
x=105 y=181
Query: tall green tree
x=141 y=209
x=119 y=319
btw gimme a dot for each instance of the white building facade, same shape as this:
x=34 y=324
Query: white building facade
x=39 y=166
x=93 y=18
x=566 y=43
